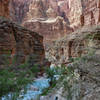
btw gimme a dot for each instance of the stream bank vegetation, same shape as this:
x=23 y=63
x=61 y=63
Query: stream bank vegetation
x=69 y=82
x=13 y=79
x=62 y=78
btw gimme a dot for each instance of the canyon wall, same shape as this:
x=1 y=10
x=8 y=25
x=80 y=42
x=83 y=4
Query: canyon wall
x=18 y=9
x=17 y=43
x=55 y=18
x=77 y=44
x=51 y=29
x=81 y=12
x=44 y=17
x=20 y=43
x=76 y=13
x=4 y=8
x=90 y=12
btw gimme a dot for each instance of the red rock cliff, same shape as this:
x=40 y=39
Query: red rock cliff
x=76 y=12
x=44 y=17
x=90 y=12
x=56 y=18
x=21 y=43
x=4 y=8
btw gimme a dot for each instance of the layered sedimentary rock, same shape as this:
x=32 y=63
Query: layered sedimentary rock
x=55 y=18
x=51 y=29
x=81 y=12
x=43 y=17
x=76 y=13
x=74 y=45
x=90 y=12
x=19 y=43
x=4 y=8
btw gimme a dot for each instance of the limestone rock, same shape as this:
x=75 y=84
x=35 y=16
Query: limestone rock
x=51 y=13
x=76 y=13
x=36 y=9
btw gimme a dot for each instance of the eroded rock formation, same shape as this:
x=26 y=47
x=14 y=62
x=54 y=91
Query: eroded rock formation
x=81 y=12
x=4 y=8
x=76 y=13
x=74 y=45
x=48 y=16
x=18 y=42
x=51 y=29
x=91 y=12
x=44 y=17
x=18 y=9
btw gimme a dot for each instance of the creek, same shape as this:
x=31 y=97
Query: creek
x=33 y=90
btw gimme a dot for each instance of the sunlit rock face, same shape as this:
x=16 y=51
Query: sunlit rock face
x=81 y=12
x=51 y=29
x=74 y=13
x=4 y=8
x=44 y=17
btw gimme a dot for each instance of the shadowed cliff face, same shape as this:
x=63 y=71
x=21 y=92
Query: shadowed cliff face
x=18 y=9
x=45 y=18
x=17 y=42
x=21 y=43
x=4 y=8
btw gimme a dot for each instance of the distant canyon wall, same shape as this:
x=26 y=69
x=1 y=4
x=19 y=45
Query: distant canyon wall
x=75 y=13
x=90 y=12
x=55 y=18
x=45 y=18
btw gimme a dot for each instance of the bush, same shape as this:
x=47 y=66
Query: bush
x=12 y=80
